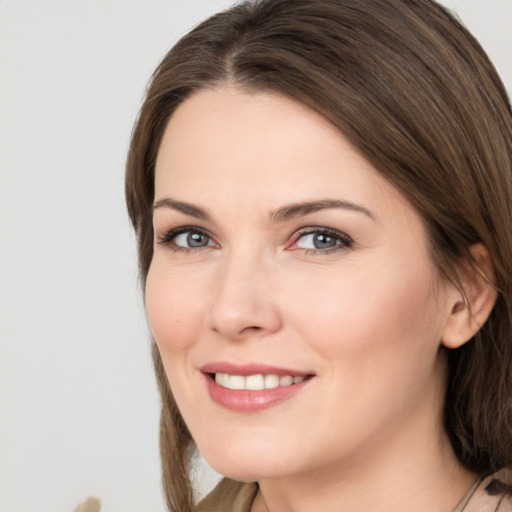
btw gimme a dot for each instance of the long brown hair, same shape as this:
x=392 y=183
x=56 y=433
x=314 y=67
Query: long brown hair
x=416 y=94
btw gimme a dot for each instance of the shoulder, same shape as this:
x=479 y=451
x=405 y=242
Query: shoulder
x=492 y=494
x=500 y=486
x=229 y=496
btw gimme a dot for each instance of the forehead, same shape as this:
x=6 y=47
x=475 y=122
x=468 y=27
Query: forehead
x=243 y=149
x=227 y=133
x=228 y=120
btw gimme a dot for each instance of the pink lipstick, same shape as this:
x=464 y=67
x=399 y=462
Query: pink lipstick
x=252 y=387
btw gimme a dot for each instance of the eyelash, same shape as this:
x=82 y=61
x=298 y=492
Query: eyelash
x=342 y=239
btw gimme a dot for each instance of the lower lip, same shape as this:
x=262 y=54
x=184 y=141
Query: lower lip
x=242 y=400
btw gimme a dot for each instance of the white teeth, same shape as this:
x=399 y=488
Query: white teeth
x=236 y=382
x=271 y=381
x=287 y=380
x=222 y=379
x=255 y=382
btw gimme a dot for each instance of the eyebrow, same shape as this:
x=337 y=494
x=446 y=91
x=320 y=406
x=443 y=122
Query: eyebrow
x=186 y=208
x=282 y=214
x=293 y=211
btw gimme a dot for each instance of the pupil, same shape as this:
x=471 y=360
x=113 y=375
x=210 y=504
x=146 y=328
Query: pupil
x=324 y=241
x=196 y=240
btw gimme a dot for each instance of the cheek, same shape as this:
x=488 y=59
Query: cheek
x=370 y=312
x=174 y=309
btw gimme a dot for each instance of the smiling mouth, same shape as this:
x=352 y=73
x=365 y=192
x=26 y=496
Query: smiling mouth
x=256 y=382
x=250 y=388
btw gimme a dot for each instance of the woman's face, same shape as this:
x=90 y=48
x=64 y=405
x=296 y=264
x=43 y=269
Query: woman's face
x=287 y=269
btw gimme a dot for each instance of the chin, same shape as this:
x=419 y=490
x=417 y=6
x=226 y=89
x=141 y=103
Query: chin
x=246 y=465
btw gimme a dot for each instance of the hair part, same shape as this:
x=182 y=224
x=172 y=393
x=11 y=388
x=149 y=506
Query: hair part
x=415 y=93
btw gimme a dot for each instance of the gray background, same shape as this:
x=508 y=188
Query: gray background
x=78 y=402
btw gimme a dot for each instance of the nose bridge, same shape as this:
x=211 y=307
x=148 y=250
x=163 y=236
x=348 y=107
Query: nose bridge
x=243 y=302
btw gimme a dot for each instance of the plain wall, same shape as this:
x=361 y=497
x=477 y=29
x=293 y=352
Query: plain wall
x=78 y=400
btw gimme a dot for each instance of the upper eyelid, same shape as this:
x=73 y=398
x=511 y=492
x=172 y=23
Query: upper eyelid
x=182 y=229
x=320 y=229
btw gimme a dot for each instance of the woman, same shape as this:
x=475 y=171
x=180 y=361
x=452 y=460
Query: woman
x=320 y=191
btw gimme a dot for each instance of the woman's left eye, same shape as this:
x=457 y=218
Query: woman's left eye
x=322 y=240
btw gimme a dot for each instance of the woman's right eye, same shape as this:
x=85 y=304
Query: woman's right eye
x=187 y=239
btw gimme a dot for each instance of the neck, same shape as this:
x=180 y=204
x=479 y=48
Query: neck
x=402 y=472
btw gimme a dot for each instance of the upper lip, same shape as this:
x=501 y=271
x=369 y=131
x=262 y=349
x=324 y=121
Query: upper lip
x=251 y=369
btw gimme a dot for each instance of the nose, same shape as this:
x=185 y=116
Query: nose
x=244 y=303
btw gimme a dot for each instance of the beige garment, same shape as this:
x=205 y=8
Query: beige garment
x=229 y=496
x=489 y=494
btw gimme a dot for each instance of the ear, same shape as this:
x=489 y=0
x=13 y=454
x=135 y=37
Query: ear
x=470 y=310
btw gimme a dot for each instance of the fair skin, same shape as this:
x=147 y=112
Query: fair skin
x=280 y=249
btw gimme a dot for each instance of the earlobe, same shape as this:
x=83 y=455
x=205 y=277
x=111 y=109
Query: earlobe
x=470 y=310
